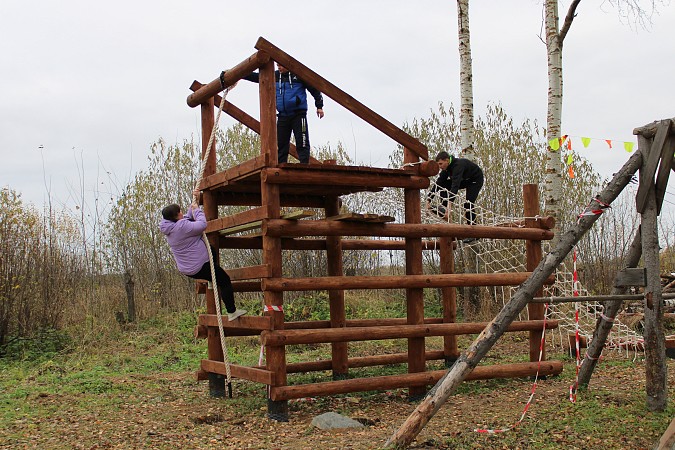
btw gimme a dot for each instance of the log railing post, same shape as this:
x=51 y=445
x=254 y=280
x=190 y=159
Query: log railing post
x=336 y=297
x=214 y=349
x=533 y=255
x=413 y=266
x=448 y=299
x=271 y=254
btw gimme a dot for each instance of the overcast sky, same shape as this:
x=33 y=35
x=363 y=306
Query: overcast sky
x=87 y=86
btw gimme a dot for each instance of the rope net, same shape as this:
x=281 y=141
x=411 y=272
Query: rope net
x=503 y=256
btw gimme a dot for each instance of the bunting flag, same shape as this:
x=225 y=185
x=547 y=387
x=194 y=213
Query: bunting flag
x=565 y=141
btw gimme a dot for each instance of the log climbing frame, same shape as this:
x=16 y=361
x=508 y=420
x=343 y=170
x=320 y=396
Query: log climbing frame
x=266 y=186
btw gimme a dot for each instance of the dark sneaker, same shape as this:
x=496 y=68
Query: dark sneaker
x=469 y=240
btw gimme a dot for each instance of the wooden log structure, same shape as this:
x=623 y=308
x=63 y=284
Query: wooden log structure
x=264 y=186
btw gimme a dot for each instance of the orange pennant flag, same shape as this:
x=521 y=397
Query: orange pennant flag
x=569 y=144
x=609 y=142
x=571 y=172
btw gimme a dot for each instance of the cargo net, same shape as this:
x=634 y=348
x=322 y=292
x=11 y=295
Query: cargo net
x=503 y=256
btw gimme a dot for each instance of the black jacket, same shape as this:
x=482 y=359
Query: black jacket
x=458 y=175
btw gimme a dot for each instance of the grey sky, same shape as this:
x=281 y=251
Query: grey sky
x=96 y=83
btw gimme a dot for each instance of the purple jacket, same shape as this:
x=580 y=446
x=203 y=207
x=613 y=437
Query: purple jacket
x=185 y=239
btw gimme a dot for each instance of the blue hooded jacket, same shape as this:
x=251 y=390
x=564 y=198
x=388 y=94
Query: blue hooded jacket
x=291 y=93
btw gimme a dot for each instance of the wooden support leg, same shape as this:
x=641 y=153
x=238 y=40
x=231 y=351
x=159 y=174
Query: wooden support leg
x=533 y=254
x=270 y=196
x=336 y=296
x=414 y=296
x=449 y=301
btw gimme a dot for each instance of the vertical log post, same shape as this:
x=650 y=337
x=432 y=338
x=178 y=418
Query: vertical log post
x=275 y=356
x=655 y=342
x=448 y=300
x=336 y=297
x=215 y=350
x=533 y=255
x=413 y=266
x=606 y=320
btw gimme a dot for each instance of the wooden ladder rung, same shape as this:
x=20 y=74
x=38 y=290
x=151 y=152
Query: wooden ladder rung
x=293 y=215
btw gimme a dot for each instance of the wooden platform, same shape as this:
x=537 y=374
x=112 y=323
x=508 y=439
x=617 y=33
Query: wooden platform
x=304 y=185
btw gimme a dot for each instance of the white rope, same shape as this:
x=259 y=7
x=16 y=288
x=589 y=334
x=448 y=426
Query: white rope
x=214 y=284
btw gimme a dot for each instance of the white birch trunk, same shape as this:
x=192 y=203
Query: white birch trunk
x=553 y=178
x=465 y=82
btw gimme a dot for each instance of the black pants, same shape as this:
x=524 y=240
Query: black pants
x=298 y=125
x=222 y=280
x=472 y=187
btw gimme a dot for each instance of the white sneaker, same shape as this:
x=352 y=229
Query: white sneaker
x=233 y=315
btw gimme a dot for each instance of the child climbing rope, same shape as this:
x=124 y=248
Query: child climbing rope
x=184 y=235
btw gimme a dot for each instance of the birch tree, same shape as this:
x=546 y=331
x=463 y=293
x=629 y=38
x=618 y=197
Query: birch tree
x=633 y=12
x=467 y=129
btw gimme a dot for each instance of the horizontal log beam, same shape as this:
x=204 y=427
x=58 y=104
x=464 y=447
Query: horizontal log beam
x=595 y=298
x=246 y=373
x=235 y=173
x=546 y=223
x=395 y=281
x=257 y=323
x=230 y=77
x=648 y=131
x=360 y=361
x=295 y=337
x=246 y=286
x=253 y=199
x=280 y=176
x=237 y=220
x=517 y=370
x=318 y=324
x=249 y=273
x=245 y=242
x=344 y=99
x=287 y=228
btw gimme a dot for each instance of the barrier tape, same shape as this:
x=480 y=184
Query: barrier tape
x=573 y=387
x=277 y=308
x=532 y=391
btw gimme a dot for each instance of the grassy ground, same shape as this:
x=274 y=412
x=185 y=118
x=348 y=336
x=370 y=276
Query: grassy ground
x=136 y=389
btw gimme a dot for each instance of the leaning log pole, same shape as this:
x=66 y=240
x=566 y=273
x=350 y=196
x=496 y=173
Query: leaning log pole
x=486 y=340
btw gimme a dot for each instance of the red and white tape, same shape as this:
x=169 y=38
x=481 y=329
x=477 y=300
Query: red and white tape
x=532 y=391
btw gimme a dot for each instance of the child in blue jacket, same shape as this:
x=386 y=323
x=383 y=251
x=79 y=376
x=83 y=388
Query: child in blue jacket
x=292 y=111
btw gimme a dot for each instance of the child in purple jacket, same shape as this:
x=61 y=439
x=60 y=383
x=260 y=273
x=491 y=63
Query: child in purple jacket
x=184 y=235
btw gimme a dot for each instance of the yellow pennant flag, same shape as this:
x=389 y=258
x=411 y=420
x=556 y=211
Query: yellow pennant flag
x=569 y=159
x=628 y=146
x=585 y=141
x=554 y=144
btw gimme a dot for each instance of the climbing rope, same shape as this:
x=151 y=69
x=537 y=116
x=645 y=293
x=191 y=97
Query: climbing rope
x=195 y=200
